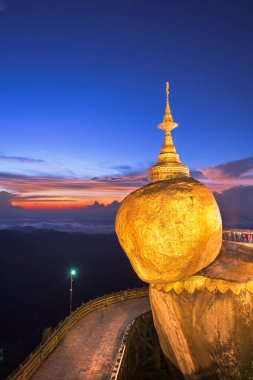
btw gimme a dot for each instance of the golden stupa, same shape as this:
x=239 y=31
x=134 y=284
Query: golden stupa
x=170 y=228
x=168 y=165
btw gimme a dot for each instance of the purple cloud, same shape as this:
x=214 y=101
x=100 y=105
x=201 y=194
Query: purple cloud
x=21 y=159
x=229 y=170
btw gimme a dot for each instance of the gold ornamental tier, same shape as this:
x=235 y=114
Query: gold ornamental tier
x=168 y=165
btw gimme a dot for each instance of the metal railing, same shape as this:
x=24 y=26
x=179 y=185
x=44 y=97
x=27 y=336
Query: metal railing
x=237 y=235
x=37 y=357
x=140 y=352
x=117 y=369
x=122 y=369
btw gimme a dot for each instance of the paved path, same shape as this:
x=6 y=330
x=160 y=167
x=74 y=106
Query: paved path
x=88 y=351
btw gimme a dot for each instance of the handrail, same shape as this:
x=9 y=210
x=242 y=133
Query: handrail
x=119 y=370
x=238 y=235
x=121 y=352
x=37 y=357
x=242 y=230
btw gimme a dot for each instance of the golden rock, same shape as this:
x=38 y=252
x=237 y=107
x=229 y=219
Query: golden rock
x=169 y=229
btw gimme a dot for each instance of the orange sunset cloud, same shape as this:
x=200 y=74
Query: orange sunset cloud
x=41 y=192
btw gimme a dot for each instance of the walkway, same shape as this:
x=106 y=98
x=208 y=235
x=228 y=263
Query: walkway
x=89 y=349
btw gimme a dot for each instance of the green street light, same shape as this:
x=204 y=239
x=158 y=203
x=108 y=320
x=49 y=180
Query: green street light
x=72 y=274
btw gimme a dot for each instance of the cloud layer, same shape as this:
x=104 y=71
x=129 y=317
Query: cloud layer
x=32 y=191
x=55 y=191
x=91 y=204
x=223 y=176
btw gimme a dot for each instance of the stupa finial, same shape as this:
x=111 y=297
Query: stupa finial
x=168 y=123
x=167 y=93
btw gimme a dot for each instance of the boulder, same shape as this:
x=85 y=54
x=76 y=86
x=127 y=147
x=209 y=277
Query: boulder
x=205 y=322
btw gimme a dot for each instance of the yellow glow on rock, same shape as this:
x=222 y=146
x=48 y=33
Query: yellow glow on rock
x=169 y=229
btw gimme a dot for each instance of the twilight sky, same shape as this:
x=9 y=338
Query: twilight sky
x=82 y=91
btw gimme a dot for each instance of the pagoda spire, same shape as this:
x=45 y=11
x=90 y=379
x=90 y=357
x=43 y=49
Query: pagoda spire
x=168 y=165
x=168 y=122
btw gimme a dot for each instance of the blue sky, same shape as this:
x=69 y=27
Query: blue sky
x=82 y=85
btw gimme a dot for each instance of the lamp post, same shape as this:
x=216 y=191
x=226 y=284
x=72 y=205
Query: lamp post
x=72 y=274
